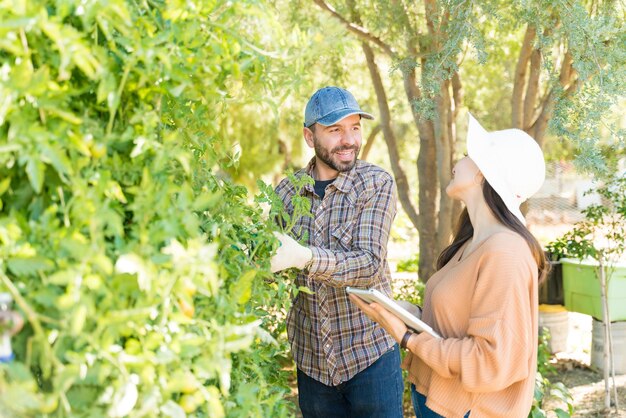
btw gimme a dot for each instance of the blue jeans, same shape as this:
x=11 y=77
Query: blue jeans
x=373 y=392
x=419 y=405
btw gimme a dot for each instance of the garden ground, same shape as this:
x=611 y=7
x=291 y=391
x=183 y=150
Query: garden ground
x=586 y=384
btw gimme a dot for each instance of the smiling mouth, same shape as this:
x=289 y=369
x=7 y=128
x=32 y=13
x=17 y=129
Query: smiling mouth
x=345 y=154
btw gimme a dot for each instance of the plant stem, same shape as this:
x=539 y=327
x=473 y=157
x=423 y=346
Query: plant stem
x=120 y=89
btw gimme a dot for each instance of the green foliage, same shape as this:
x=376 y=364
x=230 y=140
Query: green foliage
x=143 y=272
x=602 y=234
x=595 y=38
x=409 y=290
x=544 y=388
x=410 y=264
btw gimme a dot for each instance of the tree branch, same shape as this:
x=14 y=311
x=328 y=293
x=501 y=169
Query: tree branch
x=358 y=30
x=520 y=78
x=538 y=129
x=370 y=141
x=402 y=184
x=457 y=94
x=532 y=88
x=569 y=82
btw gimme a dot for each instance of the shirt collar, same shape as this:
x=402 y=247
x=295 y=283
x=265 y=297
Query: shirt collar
x=343 y=182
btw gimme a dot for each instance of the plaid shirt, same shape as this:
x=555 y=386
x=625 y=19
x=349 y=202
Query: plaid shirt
x=331 y=339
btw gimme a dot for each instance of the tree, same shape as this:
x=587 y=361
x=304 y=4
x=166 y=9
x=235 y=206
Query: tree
x=428 y=42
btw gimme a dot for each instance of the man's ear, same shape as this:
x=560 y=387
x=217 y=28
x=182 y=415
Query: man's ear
x=308 y=137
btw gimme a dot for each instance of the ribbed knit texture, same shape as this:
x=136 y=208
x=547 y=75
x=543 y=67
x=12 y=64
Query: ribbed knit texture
x=486 y=307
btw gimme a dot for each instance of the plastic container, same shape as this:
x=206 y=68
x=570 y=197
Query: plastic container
x=556 y=319
x=582 y=289
x=551 y=290
x=618 y=331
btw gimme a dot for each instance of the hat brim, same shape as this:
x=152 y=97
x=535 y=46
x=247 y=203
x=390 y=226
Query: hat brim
x=336 y=116
x=479 y=150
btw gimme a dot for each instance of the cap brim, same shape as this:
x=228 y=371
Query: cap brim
x=479 y=150
x=335 y=117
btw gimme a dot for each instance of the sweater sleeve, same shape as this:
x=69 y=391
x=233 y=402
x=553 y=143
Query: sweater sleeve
x=494 y=352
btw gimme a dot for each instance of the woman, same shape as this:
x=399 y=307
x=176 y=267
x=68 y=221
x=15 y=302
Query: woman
x=483 y=298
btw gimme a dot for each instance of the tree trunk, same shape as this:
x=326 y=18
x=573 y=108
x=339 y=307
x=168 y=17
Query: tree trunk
x=404 y=194
x=443 y=125
x=606 y=321
x=457 y=95
x=519 y=82
x=569 y=82
x=532 y=88
x=427 y=177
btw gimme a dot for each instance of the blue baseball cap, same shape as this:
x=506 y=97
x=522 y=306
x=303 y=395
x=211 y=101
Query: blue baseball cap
x=331 y=104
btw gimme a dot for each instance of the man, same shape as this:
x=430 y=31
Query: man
x=347 y=365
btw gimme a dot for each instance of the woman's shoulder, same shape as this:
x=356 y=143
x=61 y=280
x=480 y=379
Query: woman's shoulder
x=507 y=242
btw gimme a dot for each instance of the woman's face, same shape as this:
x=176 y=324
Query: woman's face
x=465 y=177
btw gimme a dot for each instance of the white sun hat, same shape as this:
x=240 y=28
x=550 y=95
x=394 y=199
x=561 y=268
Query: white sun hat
x=511 y=161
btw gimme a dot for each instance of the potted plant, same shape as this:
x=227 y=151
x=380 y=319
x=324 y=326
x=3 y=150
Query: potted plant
x=594 y=247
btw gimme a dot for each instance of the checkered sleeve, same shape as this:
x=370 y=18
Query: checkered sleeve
x=369 y=244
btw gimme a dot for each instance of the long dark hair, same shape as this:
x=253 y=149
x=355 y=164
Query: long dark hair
x=465 y=230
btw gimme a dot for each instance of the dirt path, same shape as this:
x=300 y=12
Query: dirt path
x=586 y=384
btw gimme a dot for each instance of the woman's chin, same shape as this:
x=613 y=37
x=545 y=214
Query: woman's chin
x=450 y=191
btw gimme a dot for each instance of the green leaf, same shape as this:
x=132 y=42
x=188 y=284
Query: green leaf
x=4 y=185
x=35 y=171
x=536 y=412
x=29 y=266
x=172 y=410
x=59 y=160
x=305 y=289
x=561 y=413
x=242 y=288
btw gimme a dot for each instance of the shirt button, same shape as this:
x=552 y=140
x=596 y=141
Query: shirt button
x=327 y=345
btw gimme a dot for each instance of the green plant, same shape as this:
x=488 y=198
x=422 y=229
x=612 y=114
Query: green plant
x=601 y=235
x=410 y=264
x=544 y=388
x=142 y=270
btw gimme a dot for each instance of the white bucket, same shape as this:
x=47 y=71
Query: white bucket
x=556 y=319
x=618 y=331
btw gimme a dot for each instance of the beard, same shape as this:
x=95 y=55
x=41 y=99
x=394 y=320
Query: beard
x=327 y=156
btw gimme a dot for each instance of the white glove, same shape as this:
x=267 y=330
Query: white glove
x=290 y=254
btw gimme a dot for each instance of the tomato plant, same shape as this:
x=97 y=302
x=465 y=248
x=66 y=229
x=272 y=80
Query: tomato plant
x=141 y=269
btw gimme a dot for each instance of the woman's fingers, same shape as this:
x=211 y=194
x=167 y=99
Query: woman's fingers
x=364 y=306
x=377 y=313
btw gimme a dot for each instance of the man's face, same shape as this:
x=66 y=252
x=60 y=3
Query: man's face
x=337 y=145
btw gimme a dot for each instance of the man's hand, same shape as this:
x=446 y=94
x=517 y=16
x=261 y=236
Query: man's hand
x=11 y=321
x=290 y=254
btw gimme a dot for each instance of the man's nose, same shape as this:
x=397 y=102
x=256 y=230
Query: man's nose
x=348 y=138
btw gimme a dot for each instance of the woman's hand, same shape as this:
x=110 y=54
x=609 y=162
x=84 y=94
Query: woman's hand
x=391 y=323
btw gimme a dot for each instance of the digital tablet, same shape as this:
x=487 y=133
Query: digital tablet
x=411 y=321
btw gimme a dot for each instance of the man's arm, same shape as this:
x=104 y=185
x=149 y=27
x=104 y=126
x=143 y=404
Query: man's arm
x=364 y=261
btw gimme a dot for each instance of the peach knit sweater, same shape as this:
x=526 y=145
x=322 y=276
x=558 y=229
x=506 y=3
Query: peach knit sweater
x=485 y=307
